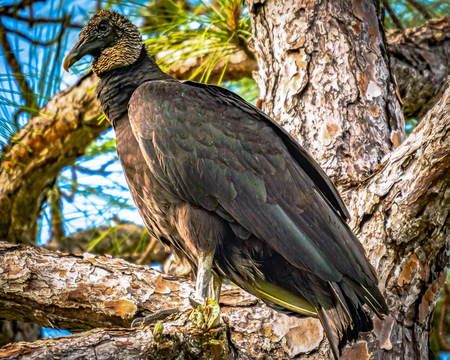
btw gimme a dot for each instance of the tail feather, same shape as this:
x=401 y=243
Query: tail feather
x=341 y=299
x=342 y=321
x=339 y=328
x=283 y=300
x=369 y=295
x=334 y=334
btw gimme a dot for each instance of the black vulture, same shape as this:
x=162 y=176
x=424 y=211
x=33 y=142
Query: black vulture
x=224 y=185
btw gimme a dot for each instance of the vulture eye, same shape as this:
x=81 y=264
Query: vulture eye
x=103 y=27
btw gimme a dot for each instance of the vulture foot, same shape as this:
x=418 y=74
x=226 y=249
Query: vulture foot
x=205 y=316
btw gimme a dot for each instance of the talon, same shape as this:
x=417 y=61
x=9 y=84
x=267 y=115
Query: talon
x=153 y=318
x=138 y=322
x=206 y=316
x=196 y=301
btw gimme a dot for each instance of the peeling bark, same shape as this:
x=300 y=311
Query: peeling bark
x=79 y=293
x=128 y=344
x=324 y=74
x=401 y=215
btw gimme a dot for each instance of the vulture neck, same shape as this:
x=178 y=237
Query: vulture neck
x=116 y=86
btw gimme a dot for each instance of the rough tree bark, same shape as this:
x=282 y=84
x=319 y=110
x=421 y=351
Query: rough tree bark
x=420 y=60
x=401 y=215
x=85 y=292
x=326 y=76
x=399 y=200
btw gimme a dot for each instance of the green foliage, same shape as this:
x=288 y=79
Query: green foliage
x=178 y=31
x=101 y=146
x=32 y=68
x=409 y=15
x=246 y=88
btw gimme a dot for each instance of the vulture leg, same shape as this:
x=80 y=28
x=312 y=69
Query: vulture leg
x=204 y=288
x=206 y=313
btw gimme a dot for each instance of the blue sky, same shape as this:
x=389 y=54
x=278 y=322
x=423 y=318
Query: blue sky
x=84 y=211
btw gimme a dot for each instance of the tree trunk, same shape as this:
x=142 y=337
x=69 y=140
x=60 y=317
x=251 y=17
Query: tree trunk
x=324 y=73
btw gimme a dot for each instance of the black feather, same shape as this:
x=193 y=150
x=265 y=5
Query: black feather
x=195 y=155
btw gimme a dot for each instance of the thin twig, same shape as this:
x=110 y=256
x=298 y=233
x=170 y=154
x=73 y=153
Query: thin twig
x=13 y=8
x=30 y=40
x=421 y=9
x=14 y=65
x=392 y=15
x=43 y=20
x=101 y=171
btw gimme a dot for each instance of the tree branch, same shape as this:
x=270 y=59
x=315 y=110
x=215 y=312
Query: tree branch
x=401 y=215
x=42 y=20
x=53 y=140
x=129 y=344
x=15 y=7
x=30 y=40
x=391 y=13
x=420 y=63
x=421 y=9
x=238 y=66
x=84 y=292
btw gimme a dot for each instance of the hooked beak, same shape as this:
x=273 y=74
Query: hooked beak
x=79 y=51
x=69 y=60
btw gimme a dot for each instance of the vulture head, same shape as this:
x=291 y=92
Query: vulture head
x=112 y=39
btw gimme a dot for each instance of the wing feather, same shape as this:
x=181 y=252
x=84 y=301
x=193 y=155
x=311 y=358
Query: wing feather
x=216 y=151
